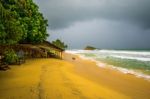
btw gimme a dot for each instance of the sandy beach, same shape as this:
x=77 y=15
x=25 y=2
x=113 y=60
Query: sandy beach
x=69 y=79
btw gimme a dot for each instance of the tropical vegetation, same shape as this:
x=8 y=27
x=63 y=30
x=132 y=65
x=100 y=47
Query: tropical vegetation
x=10 y=57
x=21 y=22
x=59 y=44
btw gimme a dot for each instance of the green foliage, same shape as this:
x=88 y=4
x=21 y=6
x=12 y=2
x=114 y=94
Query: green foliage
x=60 y=44
x=10 y=28
x=10 y=56
x=21 y=21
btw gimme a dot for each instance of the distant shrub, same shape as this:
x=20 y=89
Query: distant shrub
x=10 y=57
x=60 y=44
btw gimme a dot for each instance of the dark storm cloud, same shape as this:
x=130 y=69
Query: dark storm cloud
x=63 y=13
x=121 y=24
x=103 y=34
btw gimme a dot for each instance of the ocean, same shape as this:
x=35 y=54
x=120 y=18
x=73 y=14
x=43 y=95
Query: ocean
x=136 y=62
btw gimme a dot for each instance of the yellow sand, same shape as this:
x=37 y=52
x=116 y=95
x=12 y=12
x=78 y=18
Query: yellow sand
x=69 y=79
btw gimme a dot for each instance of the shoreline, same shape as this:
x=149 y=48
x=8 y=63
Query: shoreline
x=114 y=79
x=69 y=79
x=116 y=68
x=100 y=64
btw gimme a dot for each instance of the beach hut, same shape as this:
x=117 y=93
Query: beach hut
x=52 y=49
x=44 y=50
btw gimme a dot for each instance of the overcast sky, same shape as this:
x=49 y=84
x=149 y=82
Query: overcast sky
x=121 y=24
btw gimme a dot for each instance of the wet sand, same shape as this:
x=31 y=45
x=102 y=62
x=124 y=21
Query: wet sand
x=69 y=79
x=127 y=84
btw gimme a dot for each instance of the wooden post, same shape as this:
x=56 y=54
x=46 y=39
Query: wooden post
x=60 y=54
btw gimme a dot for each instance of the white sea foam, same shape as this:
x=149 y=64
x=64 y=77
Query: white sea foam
x=126 y=52
x=133 y=72
x=129 y=57
x=136 y=55
x=123 y=70
x=78 y=51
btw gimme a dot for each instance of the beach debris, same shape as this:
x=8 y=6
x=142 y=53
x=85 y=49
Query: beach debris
x=3 y=65
x=73 y=58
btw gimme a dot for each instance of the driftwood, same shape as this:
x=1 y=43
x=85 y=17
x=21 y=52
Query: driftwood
x=3 y=65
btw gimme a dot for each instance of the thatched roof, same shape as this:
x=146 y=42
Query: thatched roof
x=52 y=45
